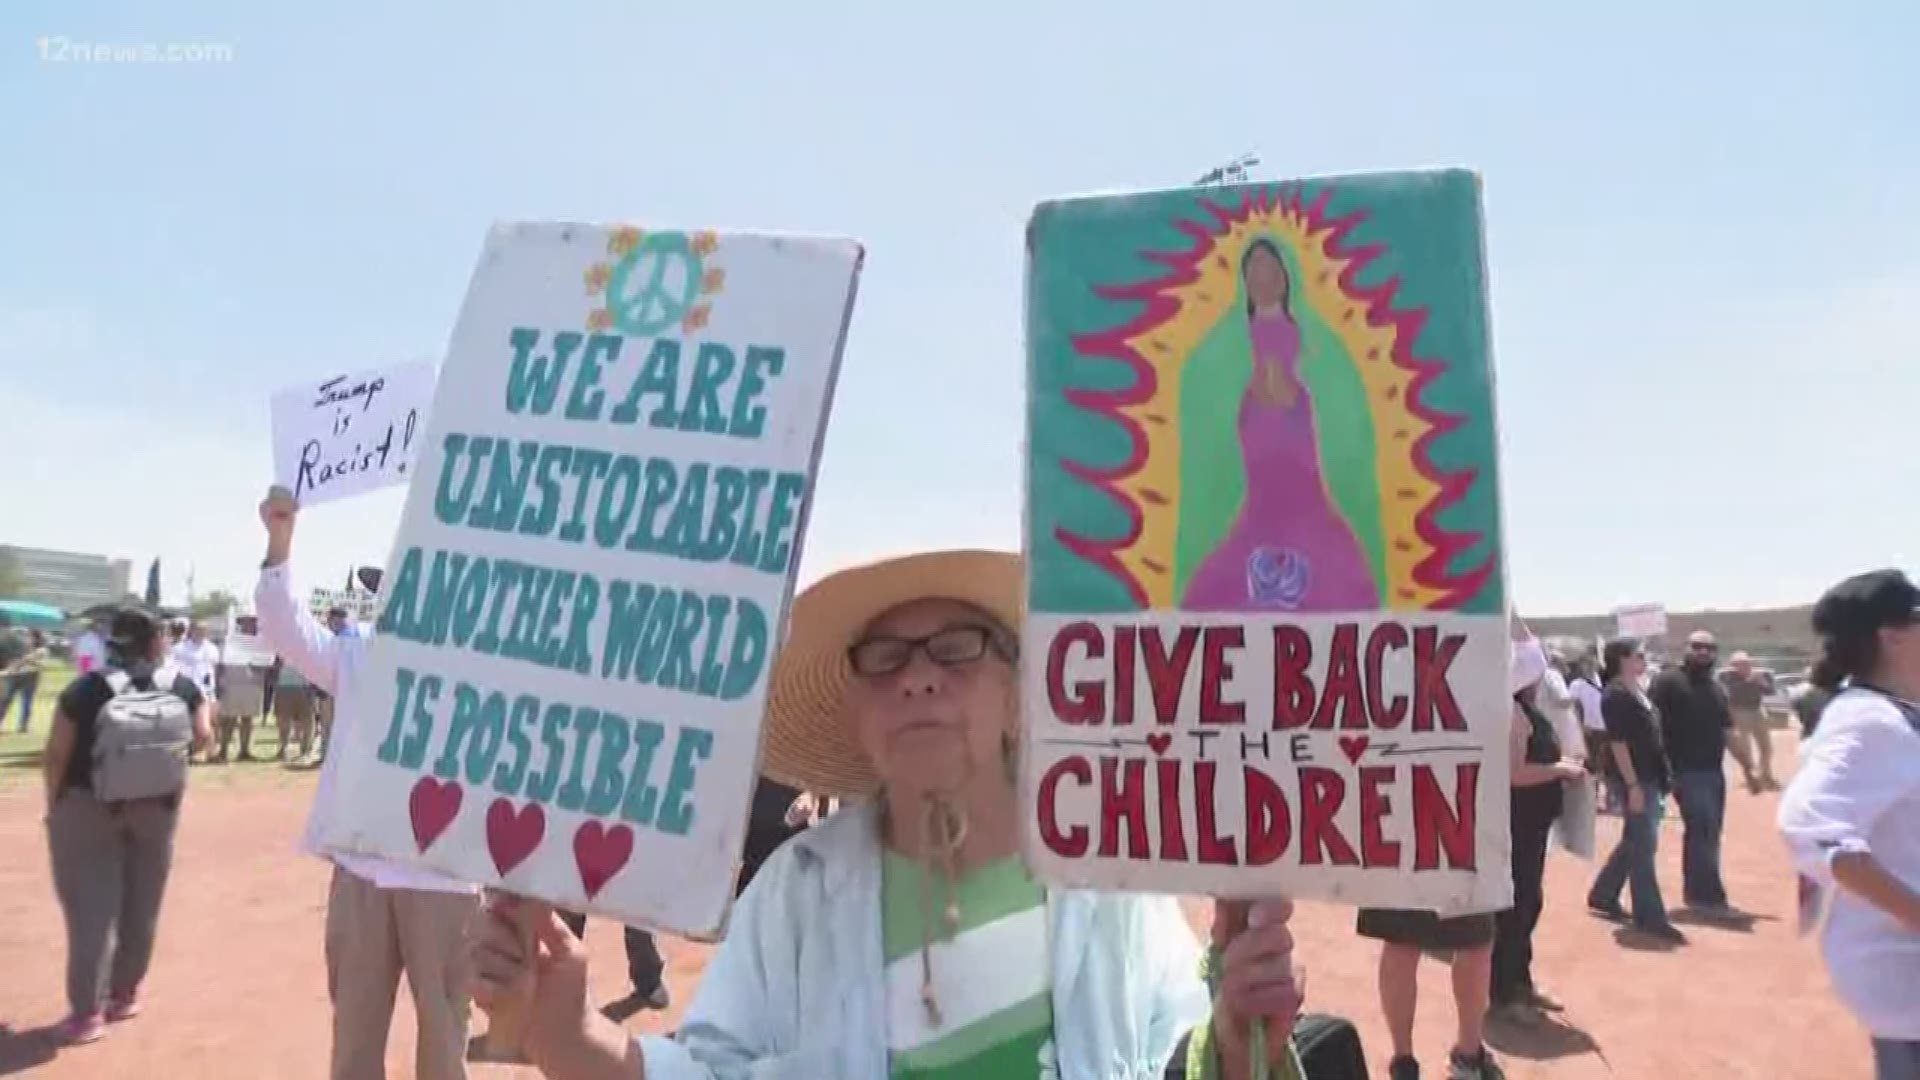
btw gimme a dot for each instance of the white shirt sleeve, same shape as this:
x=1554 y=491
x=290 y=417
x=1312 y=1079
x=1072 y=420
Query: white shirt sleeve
x=293 y=632
x=1860 y=763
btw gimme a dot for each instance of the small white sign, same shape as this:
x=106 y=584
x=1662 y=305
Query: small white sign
x=347 y=433
x=246 y=650
x=1641 y=620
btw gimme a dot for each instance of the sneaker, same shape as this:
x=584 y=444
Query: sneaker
x=1403 y=1068
x=1476 y=1066
x=80 y=1029
x=123 y=1006
x=635 y=1003
x=1608 y=909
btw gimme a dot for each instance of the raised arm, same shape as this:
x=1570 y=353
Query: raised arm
x=285 y=623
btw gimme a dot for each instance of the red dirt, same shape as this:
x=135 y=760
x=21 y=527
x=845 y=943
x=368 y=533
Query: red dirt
x=238 y=989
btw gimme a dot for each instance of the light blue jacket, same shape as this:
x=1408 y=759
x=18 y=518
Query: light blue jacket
x=797 y=988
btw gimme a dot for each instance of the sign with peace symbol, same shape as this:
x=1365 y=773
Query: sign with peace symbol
x=655 y=285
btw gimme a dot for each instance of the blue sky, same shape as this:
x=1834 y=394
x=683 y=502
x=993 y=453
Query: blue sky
x=1706 y=286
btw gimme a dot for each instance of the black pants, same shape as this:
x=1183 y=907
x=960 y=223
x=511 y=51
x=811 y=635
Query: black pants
x=643 y=956
x=1532 y=828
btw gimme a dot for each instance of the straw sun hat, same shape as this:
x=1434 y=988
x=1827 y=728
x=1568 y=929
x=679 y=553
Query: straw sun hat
x=809 y=744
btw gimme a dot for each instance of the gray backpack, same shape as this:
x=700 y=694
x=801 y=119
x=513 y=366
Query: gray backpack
x=141 y=740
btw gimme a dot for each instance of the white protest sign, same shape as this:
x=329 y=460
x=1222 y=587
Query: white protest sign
x=246 y=650
x=347 y=433
x=563 y=695
x=1640 y=620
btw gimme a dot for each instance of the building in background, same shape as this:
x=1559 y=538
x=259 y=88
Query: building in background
x=68 y=580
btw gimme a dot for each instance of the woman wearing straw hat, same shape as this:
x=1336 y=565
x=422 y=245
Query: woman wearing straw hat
x=896 y=688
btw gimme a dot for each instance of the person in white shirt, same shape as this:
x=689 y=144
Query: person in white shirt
x=383 y=918
x=1584 y=685
x=1851 y=815
x=197 y=658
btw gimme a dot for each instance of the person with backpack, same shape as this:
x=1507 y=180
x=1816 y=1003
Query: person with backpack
x=1849 y=814
x=115 y=770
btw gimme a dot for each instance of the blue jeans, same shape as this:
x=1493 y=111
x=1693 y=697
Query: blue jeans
x=1896 y=1059
x=16 y=687
x=1703 y=810
x=1632 y=863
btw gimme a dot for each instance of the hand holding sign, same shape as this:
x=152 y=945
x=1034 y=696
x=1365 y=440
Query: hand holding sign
x=1259 y=982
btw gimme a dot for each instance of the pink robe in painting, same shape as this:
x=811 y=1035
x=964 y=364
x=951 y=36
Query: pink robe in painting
x=1290 y=549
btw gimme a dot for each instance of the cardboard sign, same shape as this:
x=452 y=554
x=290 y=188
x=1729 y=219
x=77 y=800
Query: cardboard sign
x=564 y=690
x=246 y=650
x=1641 y=620
x=1267 y=644
x=347 y=433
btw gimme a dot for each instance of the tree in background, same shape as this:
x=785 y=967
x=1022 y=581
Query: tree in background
x=153 y=584
x=11 y=579
x=214 y=605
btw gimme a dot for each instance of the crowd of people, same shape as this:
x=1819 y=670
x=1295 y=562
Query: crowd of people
x=895 y=692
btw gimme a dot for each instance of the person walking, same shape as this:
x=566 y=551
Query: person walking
x=293 y=708
x=384 y=919
x=1640 y=776
x=1540 y=766
x=1695 y=721
x=1849 y=815
x=115 y=771
x=1747 y=691
x=21 y=679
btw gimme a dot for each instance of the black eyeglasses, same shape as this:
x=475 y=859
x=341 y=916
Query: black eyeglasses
x=1704 y=646
x=955 y=645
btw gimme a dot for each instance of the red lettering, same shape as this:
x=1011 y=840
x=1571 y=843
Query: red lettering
x=1215 y=670
x=1432 y=694
x=1072 y=843
x=1123 y=801
x=1375 y=848
x=1340 y=702
x=1322 y=791
x=1442 y=826
x=1086 y=702
x=1213 y=848
x=1173 y=833
x=1123 y=675
x=1292 y=686
x=1269 y=822
x=1387 y=714
x=1167 y=672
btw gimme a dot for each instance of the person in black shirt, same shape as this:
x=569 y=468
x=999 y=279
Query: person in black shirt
x=110 y=860
x=1695 y=720
x=1640 y=778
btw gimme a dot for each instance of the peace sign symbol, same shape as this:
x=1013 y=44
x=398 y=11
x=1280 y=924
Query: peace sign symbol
x=655 y=285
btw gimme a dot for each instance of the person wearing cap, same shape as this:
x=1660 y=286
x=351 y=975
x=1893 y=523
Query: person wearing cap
x=111 y=859
x=1851 y=814
x=1747 y=691
x=384 y=919
x=1695 y=720
x=897 y=688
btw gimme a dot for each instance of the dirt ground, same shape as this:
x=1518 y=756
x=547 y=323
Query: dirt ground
x=238 y=988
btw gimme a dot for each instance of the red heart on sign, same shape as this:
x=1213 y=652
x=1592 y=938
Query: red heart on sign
x=1353 y=746
x=600 y=853
x=1159 y=741
x=512 y=835
x=432 y=806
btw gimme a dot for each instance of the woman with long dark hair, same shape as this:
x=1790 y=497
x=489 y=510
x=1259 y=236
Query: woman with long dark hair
x=1852 y=813
x=111 y=815
x=1641 y=779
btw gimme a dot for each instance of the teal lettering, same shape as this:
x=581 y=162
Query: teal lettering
x=585 y=401
x=389 y=751
x=413 y=751
x=710 y=666
x=616 y=500
x=683 y=528
x=547 y=639
x=398 y=616
x=747 y=551
x=512 y=772
x=659 y=375
x=505 y=573
x=662 y=480
x=573 y=793
x=729 y=496
x=711 y=367
x=609 y=782
x=626 y=615
x=507 y=480
x=749 y=416
x=642 y=796
x=552 y=740
x=526 y=613
x=447 y=506
x=466 y=709
x=587 y=466
x=534 y=377
x=676 y=808
x=578 y=655
x=437 y=613
x=483 y=749
x=782 y=517
x=473 y=596
x=747 y=655
x=546 y=479
x=677 y=669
